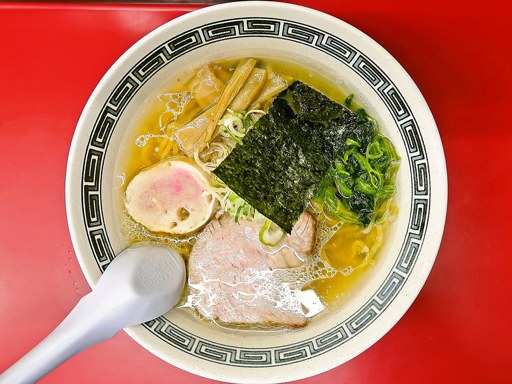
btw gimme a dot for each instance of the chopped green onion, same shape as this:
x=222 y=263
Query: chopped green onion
x=348 y=100
x=352 y=143
x=270 y=234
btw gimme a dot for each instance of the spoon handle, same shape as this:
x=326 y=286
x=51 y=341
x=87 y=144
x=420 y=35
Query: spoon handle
x=83 y=327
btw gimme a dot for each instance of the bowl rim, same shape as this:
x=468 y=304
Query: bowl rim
x=433 y=135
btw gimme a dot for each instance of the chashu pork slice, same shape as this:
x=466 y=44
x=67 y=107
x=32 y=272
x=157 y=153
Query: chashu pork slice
x=230 y=273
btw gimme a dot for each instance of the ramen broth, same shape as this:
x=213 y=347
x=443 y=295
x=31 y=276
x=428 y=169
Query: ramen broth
x=344 y=253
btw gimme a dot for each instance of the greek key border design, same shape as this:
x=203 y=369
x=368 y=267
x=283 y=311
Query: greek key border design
x=346 y=54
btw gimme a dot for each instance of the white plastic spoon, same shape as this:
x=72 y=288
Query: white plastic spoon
x=140 y=284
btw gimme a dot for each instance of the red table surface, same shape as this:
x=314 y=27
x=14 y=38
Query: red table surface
x=459 y=327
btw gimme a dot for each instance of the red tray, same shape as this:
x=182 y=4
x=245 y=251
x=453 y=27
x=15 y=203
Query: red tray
x=458 y=330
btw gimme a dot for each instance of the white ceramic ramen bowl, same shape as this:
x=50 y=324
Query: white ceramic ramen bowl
x=344 y=55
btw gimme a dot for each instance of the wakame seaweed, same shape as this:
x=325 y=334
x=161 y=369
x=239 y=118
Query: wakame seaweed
x=363 y=175
x=282 y=161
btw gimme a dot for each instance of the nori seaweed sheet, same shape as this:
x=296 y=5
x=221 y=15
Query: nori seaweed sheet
x=283 y=158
